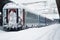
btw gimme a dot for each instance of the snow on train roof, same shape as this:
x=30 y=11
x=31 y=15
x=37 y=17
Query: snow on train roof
x=11 y=5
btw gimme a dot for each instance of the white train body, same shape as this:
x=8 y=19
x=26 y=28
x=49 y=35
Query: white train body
x=12 y=16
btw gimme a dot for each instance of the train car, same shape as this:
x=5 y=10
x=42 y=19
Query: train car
x=12 y=17
x=15 y=18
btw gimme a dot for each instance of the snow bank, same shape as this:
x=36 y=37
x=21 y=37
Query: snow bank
x=44 y=33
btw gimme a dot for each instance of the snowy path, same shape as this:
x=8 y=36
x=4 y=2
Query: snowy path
x=44 y=33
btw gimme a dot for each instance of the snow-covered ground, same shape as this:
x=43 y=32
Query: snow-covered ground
x=51 y=32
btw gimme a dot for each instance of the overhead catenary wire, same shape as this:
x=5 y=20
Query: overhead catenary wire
x=34 y=2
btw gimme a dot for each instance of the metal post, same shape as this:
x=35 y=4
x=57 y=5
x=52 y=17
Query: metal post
x=58 y=5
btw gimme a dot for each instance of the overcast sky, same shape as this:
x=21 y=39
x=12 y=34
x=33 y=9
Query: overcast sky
x=37 y=8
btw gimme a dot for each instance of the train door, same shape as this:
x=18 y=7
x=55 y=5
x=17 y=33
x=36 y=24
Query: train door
x=12 y=17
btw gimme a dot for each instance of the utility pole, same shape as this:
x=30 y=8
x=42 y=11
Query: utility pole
x=58 y=5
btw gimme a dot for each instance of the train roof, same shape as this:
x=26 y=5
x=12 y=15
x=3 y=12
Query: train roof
x=11 y=5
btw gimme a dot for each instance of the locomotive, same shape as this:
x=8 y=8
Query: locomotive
x=12 y=16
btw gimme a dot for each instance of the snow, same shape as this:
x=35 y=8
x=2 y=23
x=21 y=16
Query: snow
x=51 y=32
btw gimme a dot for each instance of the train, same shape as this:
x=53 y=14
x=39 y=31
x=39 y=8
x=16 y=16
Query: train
x=15 y=18
x=12 y=16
